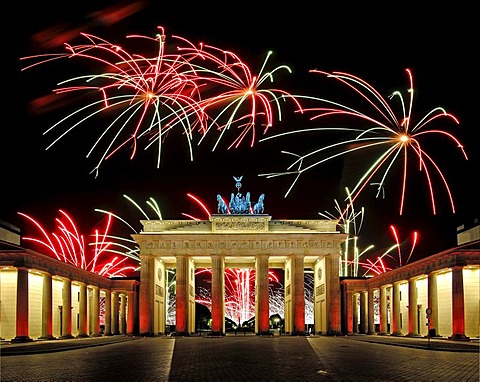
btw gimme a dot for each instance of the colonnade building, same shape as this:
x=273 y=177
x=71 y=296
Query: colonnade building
x=42 y=297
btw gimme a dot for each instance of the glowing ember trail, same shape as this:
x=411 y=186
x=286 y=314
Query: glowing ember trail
x=67 y=244
x=147 y=96
x=397 y=137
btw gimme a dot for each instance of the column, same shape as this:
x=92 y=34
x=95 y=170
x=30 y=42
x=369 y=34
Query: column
x=47 y=308
x=108 y=314
x=95 y=312
x=412 y=308
x=349 y=310
x=298 y=295
x=82 y=311
x=458 y=305
x=371 y=312
x=115 y=313
x=146 y=294
x=355 y=298
x=396 y=324
x=262 y=314
x=123 y=314
x=22 y=306
x=131 y=307
x=67 y=309
x=181 y=324
x=433 y=303
x=218 y=294
x=383 y=310
x=333 y=294
x=363 y=312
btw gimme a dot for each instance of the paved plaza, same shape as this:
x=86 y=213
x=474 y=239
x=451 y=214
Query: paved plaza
x=242 y=358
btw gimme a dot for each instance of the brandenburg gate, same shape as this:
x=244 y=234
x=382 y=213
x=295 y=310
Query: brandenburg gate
x=240 y=236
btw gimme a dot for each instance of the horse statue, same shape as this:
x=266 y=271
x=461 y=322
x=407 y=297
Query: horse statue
x=222 y=206
x=258 y=207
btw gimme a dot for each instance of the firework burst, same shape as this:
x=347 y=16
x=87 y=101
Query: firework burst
x=100 y=253
x=397 y=137
x=194 y=89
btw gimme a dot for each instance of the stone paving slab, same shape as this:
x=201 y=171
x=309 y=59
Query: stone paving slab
x=48 y=346
x=241 y=358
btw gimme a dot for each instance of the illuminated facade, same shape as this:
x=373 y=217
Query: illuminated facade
x=248 y=241
x=437 y=296
x=35 y=289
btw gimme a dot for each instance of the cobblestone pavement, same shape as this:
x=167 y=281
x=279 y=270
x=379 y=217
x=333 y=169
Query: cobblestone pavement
x=241 y=358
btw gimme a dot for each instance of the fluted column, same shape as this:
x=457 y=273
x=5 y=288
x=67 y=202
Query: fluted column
x=22 y=306
x=82 y=311
x=67 y=309
x=262 y=321
x=298 y=295
x=396 y=325
x=218 y=294
x=371 y=311
x=363 y=312
x=383 y=310
x=355 y=328
x=131 y=307
x=182 y=299
x=115 y=313
x=333 y=294
x=95 y=312
x=412 y=308
x=433 y=302
x=47 y=308
x=458 y=304
x=349 y=311
x=147 y=292
x=108 y=314
x=123 y=314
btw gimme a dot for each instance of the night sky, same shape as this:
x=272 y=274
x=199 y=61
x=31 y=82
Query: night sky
x=437 y=44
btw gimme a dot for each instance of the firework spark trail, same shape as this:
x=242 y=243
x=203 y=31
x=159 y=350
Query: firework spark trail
x=236 y=86
x=347 y=221
x=67 y=244
x=193 y=88
x=399 y=137
x=152 y=92
x=378 y=266
x=240 y=294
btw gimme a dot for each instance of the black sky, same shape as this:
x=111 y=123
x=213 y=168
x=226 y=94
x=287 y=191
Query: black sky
x=377 y=44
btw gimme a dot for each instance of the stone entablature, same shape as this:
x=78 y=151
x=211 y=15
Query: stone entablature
x=43 y=263
x=231 y=223
x=231 y=244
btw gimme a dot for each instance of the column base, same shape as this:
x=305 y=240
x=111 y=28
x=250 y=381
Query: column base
x=459 y=337
x=215 y=334
x=413 y=335
x=22 y=339
x=47 y=337
x=334 y=333
x=84 y=335
x=66 y=337
x=95 y=335
x=397 y=334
